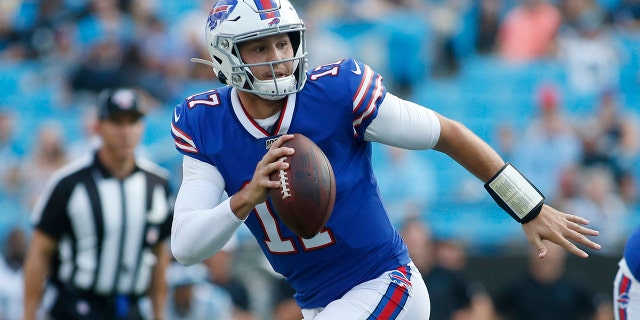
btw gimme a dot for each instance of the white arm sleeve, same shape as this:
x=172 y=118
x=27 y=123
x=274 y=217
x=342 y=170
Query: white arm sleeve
x=202 y=224
x=404 y=124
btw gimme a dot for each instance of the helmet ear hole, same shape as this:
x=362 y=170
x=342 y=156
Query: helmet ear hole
x=222 y=77
x=294 y=37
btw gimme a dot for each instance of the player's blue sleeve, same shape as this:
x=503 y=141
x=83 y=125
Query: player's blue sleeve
x=186 y=126
x=352 y=88
x=368 y=93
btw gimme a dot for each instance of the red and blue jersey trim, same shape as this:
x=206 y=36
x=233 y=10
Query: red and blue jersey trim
x=368 y=95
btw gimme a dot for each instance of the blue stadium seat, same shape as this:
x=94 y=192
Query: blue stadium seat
x=171 y=11
x=14 y=77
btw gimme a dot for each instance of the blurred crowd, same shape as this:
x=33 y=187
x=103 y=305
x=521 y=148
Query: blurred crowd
x=576 y=136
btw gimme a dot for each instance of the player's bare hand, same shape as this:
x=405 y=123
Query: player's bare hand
x=560 y=228
x=260 y=184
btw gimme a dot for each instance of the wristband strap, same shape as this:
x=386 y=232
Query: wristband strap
x=515 y=194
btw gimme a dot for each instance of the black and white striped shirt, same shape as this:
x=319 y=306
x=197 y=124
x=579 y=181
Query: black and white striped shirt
x=105 y=226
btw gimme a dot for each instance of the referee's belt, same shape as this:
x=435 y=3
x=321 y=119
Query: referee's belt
x=108 y=299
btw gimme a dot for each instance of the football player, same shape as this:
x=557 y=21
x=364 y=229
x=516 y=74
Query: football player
x=626 y=291
x=231 y=138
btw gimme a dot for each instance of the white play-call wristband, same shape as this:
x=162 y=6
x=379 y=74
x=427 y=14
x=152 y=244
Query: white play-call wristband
x=515 y=194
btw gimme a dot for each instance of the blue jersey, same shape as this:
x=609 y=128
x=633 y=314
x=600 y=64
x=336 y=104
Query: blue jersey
x=632 y=253
x=333 y=109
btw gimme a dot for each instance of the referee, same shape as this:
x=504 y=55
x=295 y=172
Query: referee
x=101 y=225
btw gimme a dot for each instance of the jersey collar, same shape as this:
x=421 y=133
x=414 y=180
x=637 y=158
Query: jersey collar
x=281 y=126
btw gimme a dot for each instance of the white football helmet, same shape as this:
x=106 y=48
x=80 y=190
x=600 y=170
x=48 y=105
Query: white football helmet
x=233 y=21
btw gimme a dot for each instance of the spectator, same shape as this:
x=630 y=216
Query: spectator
x=11 y=152
x=105 y=19
x=191 y=39
x=156 y=54
x=591 y=56
x=529 y=31
x=221 y=274
x=88 y=140
x=285 y=306
x=628 y=188
x=45 y=38
x=407 y=182
x=108 y=57
x=451 y=254
x=611 y=135
x=48 y=154
x=101 y=67
x=505 y=138
x=545 y=283
x=568 y=185
x=627 y=15
x=319 y=19
x=17 y=19
x=11 y=275
x=599 y=202
x=455 y=296
x=192 y=297
x=549 y=132
x=8 y=12
x=489 y=17
x=572 y=10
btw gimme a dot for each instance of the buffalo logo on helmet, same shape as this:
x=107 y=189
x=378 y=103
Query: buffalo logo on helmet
x=268 y=9
x=220 y=12
x=274 y=22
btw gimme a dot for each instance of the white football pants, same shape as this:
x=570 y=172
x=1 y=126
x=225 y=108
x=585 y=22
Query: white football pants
x=395 y=295
x=626 y=294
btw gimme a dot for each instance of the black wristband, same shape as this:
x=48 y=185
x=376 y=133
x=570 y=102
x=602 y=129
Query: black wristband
x=515 y=194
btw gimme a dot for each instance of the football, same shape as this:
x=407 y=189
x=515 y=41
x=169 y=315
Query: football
x=305 y=199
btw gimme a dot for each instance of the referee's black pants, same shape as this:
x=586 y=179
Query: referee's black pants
x=73 y=304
